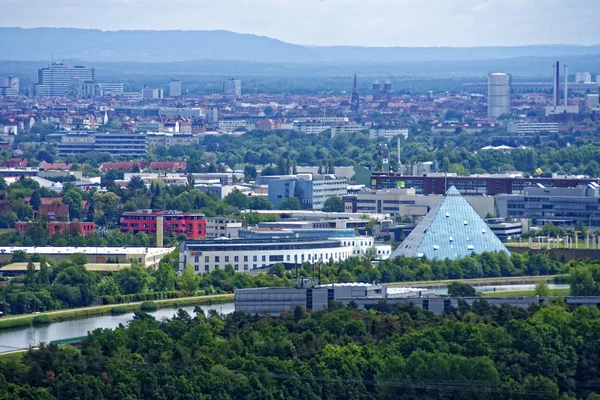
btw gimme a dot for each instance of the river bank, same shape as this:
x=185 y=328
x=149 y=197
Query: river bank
x=478 y=282
x=23 y=320
x=14 y=340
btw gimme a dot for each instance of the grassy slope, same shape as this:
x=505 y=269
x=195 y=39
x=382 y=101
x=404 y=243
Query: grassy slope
x=479 y=281
x=527 y=293
x=75 y=313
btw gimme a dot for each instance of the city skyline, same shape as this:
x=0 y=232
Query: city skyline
x=371 y=23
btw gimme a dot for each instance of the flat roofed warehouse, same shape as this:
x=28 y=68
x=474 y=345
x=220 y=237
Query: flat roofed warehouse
x=148 y=256
x=20 y=268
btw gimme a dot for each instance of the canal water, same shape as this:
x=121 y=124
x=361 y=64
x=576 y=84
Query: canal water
x=33 y=335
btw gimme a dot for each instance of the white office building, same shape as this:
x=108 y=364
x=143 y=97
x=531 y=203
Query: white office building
x=592 y=101
x=116 y=143
x=388 y=133
x=174 y=88
x=187 y=112
x=311 y=190
x=220 y=227
x=89 y=89
x=229 y=126
x=309 y=128
x=59 y=79
x=348 y=128
x=152 y=94
x=172 y=139
x=531 y=127
x=583 y=77
x=9 y=86
x=112 y=88
x=232 y=87
x=247 y=255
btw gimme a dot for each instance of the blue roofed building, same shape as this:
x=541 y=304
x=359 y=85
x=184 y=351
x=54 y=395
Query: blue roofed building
x=452 y=230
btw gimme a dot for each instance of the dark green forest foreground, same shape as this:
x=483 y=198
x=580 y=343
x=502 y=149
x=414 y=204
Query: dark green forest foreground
x=476 y=353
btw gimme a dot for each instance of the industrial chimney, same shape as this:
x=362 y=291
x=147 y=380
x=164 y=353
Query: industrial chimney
x=566 y=84
x=555 y=83
x=557 y=93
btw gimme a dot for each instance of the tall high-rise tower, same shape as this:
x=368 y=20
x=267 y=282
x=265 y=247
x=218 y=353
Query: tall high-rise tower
x=174 y=87
x=355 y=102
x=232 y=87
x=498 y=95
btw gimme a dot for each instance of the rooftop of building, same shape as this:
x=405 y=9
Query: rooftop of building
x=158 y=212
x=87 y=250
x=243 y=242
x=98 y=267
x=322 y=214
x=348 y=284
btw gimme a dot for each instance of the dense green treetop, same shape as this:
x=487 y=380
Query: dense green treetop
x=475 y=352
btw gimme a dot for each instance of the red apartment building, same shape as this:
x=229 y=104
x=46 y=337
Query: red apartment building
x=193 y=225
x=54 y=227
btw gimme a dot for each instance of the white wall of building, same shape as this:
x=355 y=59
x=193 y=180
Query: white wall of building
x=248 y=260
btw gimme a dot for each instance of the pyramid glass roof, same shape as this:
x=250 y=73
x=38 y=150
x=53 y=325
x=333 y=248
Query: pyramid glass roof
x=452 y=229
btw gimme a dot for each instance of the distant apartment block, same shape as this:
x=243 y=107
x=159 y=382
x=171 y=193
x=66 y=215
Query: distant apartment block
x=150 y=126
x=323 y=120
x=592 y=101
x=172 y=112
x=168 y=140
x=232 y=87
x=152 y=94
x=388 y=133
x=115 y=142
x=88 y=89
x=311 y=190
x=174 y=87
x=9 y=86
x=230 y=126
x=217 y=227
x=59 y=80
x=583 y=77
x=522 y=128
x=311 y=128
x=112 y=88
x=349 y=128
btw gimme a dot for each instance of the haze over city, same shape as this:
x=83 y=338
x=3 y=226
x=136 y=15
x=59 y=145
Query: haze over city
x=332 y=22
x=300 y=199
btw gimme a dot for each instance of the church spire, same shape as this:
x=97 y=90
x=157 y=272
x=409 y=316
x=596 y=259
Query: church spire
x=354 y=101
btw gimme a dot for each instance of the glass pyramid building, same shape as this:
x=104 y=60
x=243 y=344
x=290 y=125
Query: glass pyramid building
x=452 y=229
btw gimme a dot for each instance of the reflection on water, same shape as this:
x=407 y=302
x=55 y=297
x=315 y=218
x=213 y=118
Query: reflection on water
x=33 y=335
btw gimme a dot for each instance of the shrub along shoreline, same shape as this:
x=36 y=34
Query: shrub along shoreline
x=72 y=314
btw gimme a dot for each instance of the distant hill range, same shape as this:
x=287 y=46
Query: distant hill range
x=169 y=46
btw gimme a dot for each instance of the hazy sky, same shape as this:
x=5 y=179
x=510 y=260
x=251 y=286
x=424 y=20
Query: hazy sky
x=333 y=22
